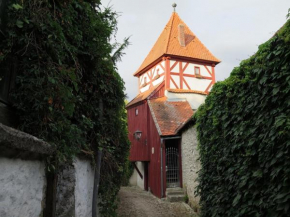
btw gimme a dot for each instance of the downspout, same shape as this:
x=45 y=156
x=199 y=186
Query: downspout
x=97 y=169
x=161 y=168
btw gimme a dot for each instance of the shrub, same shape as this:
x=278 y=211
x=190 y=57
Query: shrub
x=244 y=135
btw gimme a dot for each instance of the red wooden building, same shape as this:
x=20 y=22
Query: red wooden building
x=174 y=80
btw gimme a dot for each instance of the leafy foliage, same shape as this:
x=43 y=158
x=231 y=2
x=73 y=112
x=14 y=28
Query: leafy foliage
x=64 y=68
x=244 y=135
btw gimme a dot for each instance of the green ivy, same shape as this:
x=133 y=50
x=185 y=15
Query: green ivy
x=244 y=135
x=62 y=53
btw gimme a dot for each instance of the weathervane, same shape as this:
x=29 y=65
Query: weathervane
x=174 y=6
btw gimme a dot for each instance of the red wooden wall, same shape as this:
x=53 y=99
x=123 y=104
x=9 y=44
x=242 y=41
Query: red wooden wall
x=139 y=148
x=154 y=167
x=160 y=92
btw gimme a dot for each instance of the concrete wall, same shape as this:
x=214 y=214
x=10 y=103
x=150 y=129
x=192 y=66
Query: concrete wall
x=84 y=186
x=190 y=165
x=135 y=179
x=75 y=185
x=22 y=173
x=23 y=186
x=140 y=182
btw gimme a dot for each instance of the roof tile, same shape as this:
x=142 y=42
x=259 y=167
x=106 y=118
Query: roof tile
x=168 y=43
x=169 y=116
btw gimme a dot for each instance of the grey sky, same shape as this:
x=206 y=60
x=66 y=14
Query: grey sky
x=230 y=29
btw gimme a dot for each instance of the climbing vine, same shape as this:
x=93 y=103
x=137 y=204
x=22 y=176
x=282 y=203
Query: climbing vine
x=64 y=67
x=244 y=136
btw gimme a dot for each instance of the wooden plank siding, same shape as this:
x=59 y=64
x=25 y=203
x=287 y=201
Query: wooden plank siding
x=154 y=167
x=139 y=148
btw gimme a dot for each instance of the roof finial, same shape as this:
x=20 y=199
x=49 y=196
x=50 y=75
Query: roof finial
x=174 y=6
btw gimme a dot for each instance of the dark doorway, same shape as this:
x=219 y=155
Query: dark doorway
x=172 y=163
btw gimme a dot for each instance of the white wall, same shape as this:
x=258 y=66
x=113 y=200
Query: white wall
x=135 y=179
x=84 y=186
x=190 y=164
x=140 y=182
x=22 y=187
x=194 y=99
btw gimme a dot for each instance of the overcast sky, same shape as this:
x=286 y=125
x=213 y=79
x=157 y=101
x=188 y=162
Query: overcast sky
x=231 y=30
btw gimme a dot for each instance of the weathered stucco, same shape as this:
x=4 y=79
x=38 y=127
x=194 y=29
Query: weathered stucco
x=190 y=164
x=135 y=179
x=65 y=198
x=84 y=186
x=22 y=187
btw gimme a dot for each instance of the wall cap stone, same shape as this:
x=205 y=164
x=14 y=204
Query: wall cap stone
x=15 y=139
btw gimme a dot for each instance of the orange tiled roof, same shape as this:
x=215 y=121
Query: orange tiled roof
x=168 y=43
x=144 y=95
x=169 y=117
x=186 y=91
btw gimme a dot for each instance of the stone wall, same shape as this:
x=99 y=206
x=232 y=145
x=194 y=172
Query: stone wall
x=84 y=187
x=26 y=189
x=23 y=185
x=75 y=183
x=190 y=165
x=22 y=173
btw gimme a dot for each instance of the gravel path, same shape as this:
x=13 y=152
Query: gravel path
x=134 y=202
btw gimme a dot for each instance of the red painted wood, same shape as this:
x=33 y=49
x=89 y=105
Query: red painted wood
x=154 y=168
x=213 y=74
x=160 y=92
x=139 y=148
x=167 y=73
x=180 y=76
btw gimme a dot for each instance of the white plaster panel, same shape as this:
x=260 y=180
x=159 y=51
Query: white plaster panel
x=163 y=63
x=176 y=80
x=176 y=68
x=22 y=187
x=159 y=70
x=197 y=83
x=185 y=86
x=172 y=62
x=84 y=173
x=203 y=70
x=133 y=179
x=189 y=69
x=194 y=99
x=158 y=81
x=143 y=89
x=140 y=182
x=190 y=164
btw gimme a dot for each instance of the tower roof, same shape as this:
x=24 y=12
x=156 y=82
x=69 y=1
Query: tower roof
x=168 y=44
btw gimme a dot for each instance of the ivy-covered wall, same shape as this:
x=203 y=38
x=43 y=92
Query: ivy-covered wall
x=65 y=73
x=244 y=135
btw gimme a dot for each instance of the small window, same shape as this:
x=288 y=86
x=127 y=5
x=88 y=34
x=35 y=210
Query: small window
x=197 y=71
x=136 y=112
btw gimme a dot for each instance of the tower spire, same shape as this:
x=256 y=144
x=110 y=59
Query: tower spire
x=174 y=6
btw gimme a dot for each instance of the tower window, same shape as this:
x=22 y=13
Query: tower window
x=197 y=71
x=136 y=112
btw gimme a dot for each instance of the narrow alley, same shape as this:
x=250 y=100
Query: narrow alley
x=133 y=202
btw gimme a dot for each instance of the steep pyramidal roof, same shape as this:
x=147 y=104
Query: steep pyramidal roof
x=168 y=44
